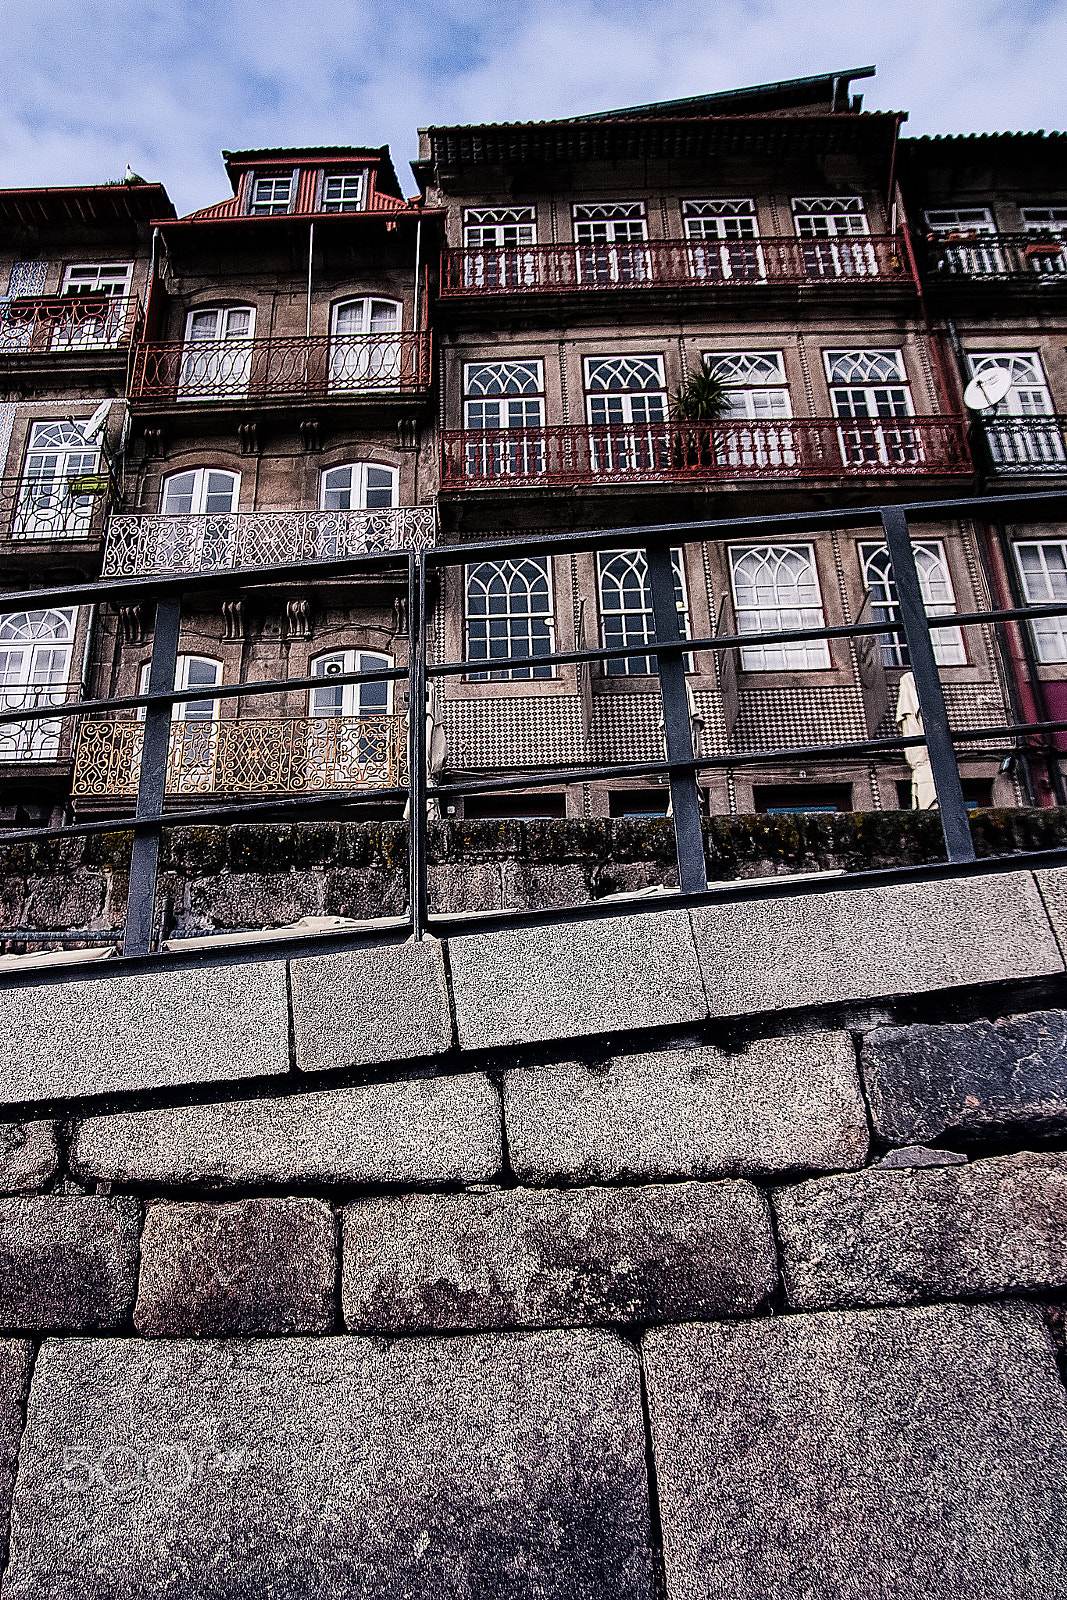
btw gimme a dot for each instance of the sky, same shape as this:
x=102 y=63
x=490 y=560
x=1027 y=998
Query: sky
x=89 y=85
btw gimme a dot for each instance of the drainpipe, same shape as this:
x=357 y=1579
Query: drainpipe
x=311 y=248
x=418 y=252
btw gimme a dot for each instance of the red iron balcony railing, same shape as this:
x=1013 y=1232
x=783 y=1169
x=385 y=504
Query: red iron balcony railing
x=674 y=264
x=997 y=257
x=229 y=372
x=67 y=324
x=668 y=452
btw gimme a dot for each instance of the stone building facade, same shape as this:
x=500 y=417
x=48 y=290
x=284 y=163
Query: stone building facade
x=318 y=365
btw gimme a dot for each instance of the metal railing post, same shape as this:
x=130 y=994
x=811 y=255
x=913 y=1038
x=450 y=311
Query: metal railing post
x=955 y=823
x=417 y=741
x=152 y=784
x=677 y=727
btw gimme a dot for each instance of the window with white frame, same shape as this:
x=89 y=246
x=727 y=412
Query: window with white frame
x=365 y=350
x=217 y=354
x=723 y=235
x=1018 y=440
x=954 y=229
x=200 y=491
x=611 y=244
x=272 y=197
x=626 y=617
x=939 y=600
x=499 y=227
x=720 y=219
x=89 y=327
x=111 y=278
x=203 y=534
x=620 y=390
x=868 y=389
x=343 y=191
x=373 y=699
x=833 y=228
x=509 y=613
x=610 y=224
x=35 y=661
x=757 y=393
x=776 y=590
x=503 y=395
x=192 y=672
x=1043 y=569
x=967 y=219
x=56 y=454
x=357 y=486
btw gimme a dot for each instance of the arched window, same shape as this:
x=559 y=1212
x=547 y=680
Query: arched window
x=56 y=453
x=776 y=589
x=357 y=486
x=351 y=699
x=35 y=657
x=193 y=672
x=204 y=534
x=626 y=608
x=362 y=353
x=509 y=613
x=198 y=491
x=935 y=582
x=217 y=357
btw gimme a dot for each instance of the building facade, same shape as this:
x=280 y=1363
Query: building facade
x=318 y=366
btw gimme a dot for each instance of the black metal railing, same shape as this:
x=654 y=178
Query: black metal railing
x=680 y=763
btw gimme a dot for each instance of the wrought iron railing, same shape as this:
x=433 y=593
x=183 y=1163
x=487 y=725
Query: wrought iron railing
x=260 y=755
x=668 y=452
x=1026 y=445
x=67 y=324
x=227 y=372
x=674 y=264
x=46 y=508
x=996 y=256
x=211 y=542
x=45 y=740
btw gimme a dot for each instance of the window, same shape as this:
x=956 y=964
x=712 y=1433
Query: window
x=626 y=398
x=497 y=395
x=871 y=384
x=509 y=613
x=1047 y=223
x=1043 y=569
x=626 y=609
x=217 y=356
x=610 y=240
x=272 y=197
x=963 y=259
x=359 y=486
x=87 y=328
x=194 y=734
x=343 y=192
x=758 y=394
x=110 y=278
x=722 y=231
x=493 y=240
x=206 y=497
x=832 y=227
x=351 y=699
x=797 y=800
x=939 y=600
x=55 y=455
x=362 y=353
x=204 y=491
x=193 y=672
x=35 y=657
x=776 y=590
x=1018 y=440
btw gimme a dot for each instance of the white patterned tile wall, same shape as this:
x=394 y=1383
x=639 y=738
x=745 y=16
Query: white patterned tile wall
x=7 y=422
x=27 y=277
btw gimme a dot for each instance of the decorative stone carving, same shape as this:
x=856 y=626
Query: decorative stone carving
x=311 y=434
x=132 y=623
x=248 y=437
x=299 y=617
x=233 y=619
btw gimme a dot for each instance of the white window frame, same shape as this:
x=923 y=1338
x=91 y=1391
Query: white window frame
x=351 y=696
x=518 y=624
x=833 y=230
x=939 y=600
x=494 y=228
x=614 y=222
x=760 y=396
x=36 y=652
x=107 y=281
x=1019 y=440
x=515 y=388
x=343 y=203
x=203 y=490
x=367 y=356
x=872 y=403
x=273 y=207
x=611 y=244
x=1047 y=223
x=117 y=276
x=723 y=241
x=610 y=405
x=216 y=366
x=634 y=624
x=45 y=509
x=781 y=615
x=956 y=257
x=198 y=710
x=1045 y=586
x=359 y=486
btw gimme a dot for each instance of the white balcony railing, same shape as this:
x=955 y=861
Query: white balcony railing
x=217 y=542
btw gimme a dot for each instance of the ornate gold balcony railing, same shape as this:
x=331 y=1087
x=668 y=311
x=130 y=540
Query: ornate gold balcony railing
x=287 y=755
x=216 y=542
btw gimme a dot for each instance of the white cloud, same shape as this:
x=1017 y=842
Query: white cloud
x=164 y=84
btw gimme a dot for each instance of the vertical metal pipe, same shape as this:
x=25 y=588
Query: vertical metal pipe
x=151 y=788
x=955 y=824
x=311 y=251
x=417 y=742
x=417 y=319
x=677 y=727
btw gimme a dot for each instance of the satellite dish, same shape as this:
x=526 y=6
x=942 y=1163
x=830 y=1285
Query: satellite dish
x=987 y=389
x=96 y=422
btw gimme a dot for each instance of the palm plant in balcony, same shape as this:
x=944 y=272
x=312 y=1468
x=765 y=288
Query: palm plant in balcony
x=703 y=399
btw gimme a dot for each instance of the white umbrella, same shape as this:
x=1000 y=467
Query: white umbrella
x=909 y=720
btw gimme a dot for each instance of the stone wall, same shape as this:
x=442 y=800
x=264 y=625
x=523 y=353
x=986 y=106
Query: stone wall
x=258 y=876
x=690 y=1254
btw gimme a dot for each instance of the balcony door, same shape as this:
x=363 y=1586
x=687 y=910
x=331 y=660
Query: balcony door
x=205 y=537
x=352 y=739
x=610 y=242
x=217 y=356
x=56 y=454
x=834 y=228
x=626 y=402
x=35 y=658
x=194 y=738
x=723 y=234
x=759 y=406
x=355 y=486
x=362 y=355
x=494 y=257
x=1019 y=441
x=99 y=325
x=959 y=236
x=870 y=389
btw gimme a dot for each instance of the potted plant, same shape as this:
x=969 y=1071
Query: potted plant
x=702 y=399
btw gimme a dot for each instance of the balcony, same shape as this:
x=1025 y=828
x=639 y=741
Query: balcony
x=696 y=453
x=35 y=741
x=47 y=509
x=289 y=755
x=674 y=264
x=220 y=542
x=996 y=257
x=1027 y=446
x=67 y=325
x=227 y=373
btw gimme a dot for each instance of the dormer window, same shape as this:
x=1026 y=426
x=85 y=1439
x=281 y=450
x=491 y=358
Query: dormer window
x=343 y=192
x=272 y=197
